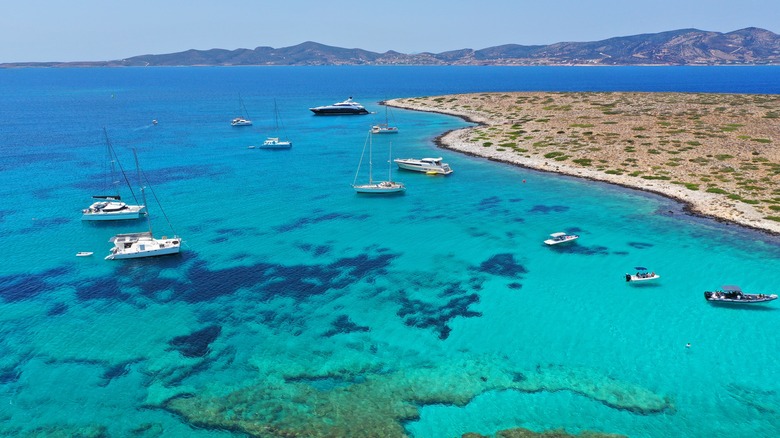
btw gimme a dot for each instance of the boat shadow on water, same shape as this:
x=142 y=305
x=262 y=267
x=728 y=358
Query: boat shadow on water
x=644 y=284
x=745 y=306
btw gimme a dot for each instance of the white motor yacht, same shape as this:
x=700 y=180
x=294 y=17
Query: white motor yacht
x=431 y=166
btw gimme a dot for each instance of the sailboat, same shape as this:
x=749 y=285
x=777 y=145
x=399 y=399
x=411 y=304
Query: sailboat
x=384 y=128
x=111 y=207
x=378 y=187
x=274 y=142
x=142 y=244
x=244 y=119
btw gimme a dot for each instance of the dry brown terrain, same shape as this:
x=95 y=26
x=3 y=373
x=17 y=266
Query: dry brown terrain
x=716 y=152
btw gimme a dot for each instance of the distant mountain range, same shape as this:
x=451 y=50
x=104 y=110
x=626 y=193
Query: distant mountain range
x=677 y=47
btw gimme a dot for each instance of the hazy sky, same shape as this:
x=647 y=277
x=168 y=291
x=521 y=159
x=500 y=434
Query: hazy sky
x=99 y=30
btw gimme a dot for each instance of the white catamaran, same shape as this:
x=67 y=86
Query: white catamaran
x=111 y=207
x=275 y=142
x=142 y=244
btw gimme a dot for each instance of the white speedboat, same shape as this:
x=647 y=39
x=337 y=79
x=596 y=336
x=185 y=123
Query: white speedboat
x=137 y=245
x=347 y=107
x=111 y=207
x=376 y=187
x=734 y=295
x=84 y=254
x=557 y=238
x=431 y=166
x=642 y=275
x=142 y=244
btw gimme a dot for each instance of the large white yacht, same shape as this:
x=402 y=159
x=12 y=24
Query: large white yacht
x=348 y=107
x=428 y=165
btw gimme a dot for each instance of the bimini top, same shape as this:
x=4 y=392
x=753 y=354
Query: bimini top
x=557 y=234
x=731 y=288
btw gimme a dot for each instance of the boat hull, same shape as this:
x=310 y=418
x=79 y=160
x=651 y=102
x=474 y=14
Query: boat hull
x=276 y=144
x=418 y=166
x=634 y=278
x=379 y=188
x=129 y=248
x=325 y=111
x=726 y=298
x=131 y=212
x=558 y=242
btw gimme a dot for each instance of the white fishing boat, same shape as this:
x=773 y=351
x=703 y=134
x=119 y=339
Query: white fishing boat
x=431 y=166
x=376 y=187
x=242 y=120
x=275 y=142
x=642 y=275
x=111 y=207
x=731 y=294
x=142 y=244
x=558 y=238
x=384 y=128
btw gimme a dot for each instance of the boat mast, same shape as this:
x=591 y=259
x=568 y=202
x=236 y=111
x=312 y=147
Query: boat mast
x=143 y=190
x=389 y=163
x=370 y=161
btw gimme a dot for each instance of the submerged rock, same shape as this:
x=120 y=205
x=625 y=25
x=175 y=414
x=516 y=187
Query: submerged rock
x=374 y=402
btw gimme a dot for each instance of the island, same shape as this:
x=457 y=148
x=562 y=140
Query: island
x=716 y=153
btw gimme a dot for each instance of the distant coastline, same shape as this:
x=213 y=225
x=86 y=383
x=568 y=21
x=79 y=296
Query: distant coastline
x=714 y=153
x=749 y=46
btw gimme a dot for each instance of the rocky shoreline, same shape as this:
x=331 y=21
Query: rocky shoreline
x=712 y=152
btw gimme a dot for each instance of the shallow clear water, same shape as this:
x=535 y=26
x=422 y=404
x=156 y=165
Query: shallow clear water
x=289 y=283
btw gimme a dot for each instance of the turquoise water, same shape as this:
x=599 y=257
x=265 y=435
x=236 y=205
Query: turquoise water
x=299 y=306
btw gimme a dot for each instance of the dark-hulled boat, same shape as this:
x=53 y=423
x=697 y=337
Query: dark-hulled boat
x=348 y=107
x=734 y=294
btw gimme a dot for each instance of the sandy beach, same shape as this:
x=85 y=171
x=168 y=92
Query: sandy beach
x=714 y=152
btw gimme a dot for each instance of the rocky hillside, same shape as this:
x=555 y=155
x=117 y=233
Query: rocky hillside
x=678 y=47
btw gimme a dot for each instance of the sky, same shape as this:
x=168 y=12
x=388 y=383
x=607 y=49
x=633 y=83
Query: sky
x=102 y=30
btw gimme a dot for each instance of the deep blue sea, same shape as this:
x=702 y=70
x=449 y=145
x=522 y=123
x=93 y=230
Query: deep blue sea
x=299 y=308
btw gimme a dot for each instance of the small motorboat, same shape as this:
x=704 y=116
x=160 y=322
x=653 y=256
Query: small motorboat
x=84 y=254
x=733 y=295
x=642 y=275
x=556 y=238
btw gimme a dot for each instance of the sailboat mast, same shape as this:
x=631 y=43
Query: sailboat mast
x=370 y=160
x=390 y=163
x=143 y=190
x=113 y=182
